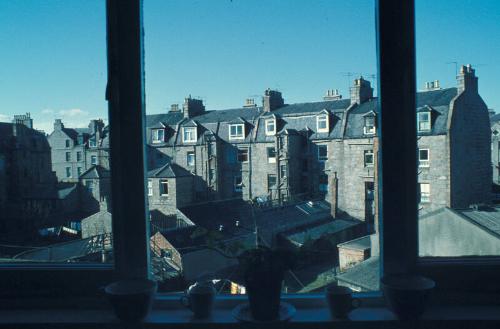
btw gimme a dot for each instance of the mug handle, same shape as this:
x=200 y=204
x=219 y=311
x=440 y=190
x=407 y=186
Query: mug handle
x=355 y=303
x=185 y=301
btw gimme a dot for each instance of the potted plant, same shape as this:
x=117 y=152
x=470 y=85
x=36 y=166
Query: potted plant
x=263 y=272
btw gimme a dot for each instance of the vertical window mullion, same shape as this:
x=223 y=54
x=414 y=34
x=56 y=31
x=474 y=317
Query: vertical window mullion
x=125 y=94
x=397 y=176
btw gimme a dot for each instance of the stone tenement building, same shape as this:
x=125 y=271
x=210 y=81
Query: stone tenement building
x=327 y=148
x=75 y=150
x=27 y=184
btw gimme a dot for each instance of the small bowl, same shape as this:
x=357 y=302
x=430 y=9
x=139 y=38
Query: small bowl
x=407 y=295
x=131 y=299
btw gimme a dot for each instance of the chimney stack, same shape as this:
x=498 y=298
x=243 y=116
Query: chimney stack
x=250 y=102
x=58 y=125
x=361 y=91
x=466 y=79
x=272 y=100
x=432 y=85
x=24 y=119
x=174 y=108
x=332 y=95
x=192 y=107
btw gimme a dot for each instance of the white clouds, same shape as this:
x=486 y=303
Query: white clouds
x=71 y=118
x=5 y=118
x=72 y=113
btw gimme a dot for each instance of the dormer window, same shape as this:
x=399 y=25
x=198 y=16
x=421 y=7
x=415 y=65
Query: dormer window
x=189 y=134
x=237 y=131
x=158 y=135
x=424 y=121
x=270 y=127
x=369 y=128
x=92 y=142
x=322 y=123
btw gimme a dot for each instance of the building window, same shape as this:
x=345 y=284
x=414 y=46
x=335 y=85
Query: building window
x=271 y=154
x=425 y=192
x=164 y=187
x=211 y=174
x=150 y=187
x=189 y=135
x=423 y=157
x=68 y=156
x=78 y=156
x=270 y=127
x=68 y=143
x=190 y=159
x=283 y=171
x=369 y=128
x=236 y=131
x=79 y=171
x=322 y=123
x=68 y=172
x=271 y=182
x=238 y=184
x=90 y=186
x=424 y=121
x=243 y=155
x=369 y=158
x=92 y=142
x=322 y=152
x=323 y=183
x=93 y=160
x=158 y=135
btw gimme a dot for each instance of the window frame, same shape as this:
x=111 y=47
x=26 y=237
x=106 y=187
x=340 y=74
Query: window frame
x=370 y=129
x=271 y=159
x=237 y=136
x=188 y=154
x=150 y=187
x=155 y=136
x=268 y=122
x=424 y=163
x=92 y=162
x=242 y=151
x=161 y=187
x=193 y=135
x=428 y=121
x=323 y=118
x=368 y=164
x=319 y=157
x=395 y=26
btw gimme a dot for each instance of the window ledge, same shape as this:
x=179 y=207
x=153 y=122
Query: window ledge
x=365 y=317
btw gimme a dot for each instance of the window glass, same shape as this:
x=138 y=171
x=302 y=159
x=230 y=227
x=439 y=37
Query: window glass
x=271 y=154
x=163 y=187
x=50 y=212
x=189 y=135
x=243 y=155
x=308 y=187
x=369 y=125
x=322 y=152
x=458 y=213
x=368 y=158
x=190 y=159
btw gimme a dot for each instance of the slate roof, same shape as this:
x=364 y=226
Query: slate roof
x=95 y=172
x=486 y=217
x=365 y=275
x=495 y=118
x=169 y=170
x=318 y=231
x=299 y=116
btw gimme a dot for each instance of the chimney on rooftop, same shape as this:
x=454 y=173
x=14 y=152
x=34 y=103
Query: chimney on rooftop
x=174 y=108
x=432 y=85
x=250 y=102
x=361 y=91
x=192 y=107
x=24 y=119
x=332 y=95
x=58 y=125
x=272 y=100
x=466 y=79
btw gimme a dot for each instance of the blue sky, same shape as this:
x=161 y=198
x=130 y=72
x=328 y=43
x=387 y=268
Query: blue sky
x=224 y=51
